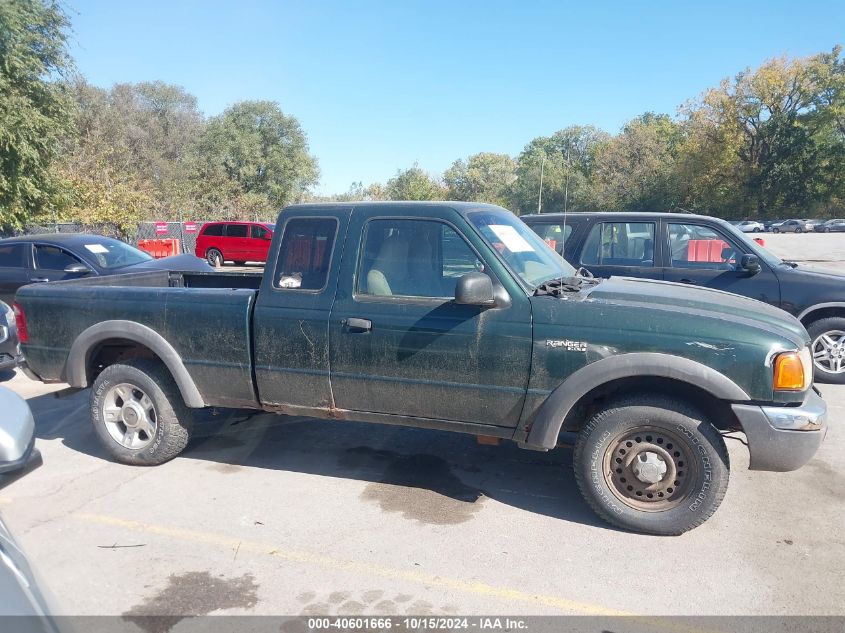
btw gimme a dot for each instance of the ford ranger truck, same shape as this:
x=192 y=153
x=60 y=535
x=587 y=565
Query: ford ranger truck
x=449 y=316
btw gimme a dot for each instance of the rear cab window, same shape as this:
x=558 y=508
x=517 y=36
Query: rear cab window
x=305 y=254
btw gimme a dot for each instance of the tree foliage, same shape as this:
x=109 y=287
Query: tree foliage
x=34 y=106
x=414 y=184
x=252 y=158
x=484 y=177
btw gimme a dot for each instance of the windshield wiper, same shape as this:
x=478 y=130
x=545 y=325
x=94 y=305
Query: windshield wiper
x=557 y=287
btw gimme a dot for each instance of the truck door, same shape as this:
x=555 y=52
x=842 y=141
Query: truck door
x=290 y=321
x=401 y=346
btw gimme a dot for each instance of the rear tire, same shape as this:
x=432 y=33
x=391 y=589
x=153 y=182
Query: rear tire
x=827 y=345
x=138 y=413
x=619 y=455
x=214 y=257
x=775 y=230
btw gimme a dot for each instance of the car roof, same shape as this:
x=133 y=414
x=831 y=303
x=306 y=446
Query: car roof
x=406 y=206
x=620 y=214
x=59 y=239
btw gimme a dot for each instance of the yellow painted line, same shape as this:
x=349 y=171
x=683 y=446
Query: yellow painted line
x=456 y=584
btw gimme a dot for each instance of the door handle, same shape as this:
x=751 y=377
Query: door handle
x=39 y=279
x=358 y=325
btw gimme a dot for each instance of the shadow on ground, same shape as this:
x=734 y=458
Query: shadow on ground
x=428 y=476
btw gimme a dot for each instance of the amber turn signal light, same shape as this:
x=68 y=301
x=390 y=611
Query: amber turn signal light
x=789 y=372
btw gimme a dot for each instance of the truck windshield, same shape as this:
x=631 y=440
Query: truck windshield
x=521 y=249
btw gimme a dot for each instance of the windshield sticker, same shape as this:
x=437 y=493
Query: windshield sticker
x=96 y=248
x=514 y=242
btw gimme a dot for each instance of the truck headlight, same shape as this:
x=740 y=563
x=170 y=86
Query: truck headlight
x=793 y=371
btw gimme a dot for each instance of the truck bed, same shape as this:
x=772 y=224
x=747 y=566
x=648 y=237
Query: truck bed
x=205 y=317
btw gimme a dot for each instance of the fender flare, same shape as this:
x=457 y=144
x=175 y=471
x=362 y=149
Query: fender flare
x=76 y=366
x=549 y=418
x=820 y=306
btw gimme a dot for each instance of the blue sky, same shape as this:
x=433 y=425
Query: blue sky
x=381 y=85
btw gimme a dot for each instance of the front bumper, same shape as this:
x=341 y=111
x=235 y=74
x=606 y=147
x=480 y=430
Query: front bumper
x=783 y=438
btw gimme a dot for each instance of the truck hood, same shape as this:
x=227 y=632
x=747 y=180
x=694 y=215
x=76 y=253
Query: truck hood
x=695 y=301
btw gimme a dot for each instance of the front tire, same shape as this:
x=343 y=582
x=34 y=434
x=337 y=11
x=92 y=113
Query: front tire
x=798 y=229
x=651 y=464
x=775 y=230
x=828 y=349
x=138 y=413
x=214 y=257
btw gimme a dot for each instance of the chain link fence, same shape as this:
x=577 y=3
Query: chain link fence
x=109 y=230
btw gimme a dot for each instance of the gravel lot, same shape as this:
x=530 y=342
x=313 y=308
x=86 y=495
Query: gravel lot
x=278 y=515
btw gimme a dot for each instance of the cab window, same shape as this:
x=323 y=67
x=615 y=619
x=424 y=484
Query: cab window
x=258 y=231
x=619 y=244
x=305 y=254
x=413 y=258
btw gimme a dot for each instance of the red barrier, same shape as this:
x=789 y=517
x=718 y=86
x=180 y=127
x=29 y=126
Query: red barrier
x=760 y=241
x=705 y=250
x=161 y=248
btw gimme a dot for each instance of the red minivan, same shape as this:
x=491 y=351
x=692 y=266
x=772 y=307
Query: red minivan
x=238 y=242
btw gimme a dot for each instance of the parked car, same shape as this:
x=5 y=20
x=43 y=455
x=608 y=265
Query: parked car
x=768 y=225
x=20 y=593
x=451 y=316
x=9 y=348
x=790 y=226
x=810 y=225
x=831 y=226
x=238 y=242
x=705 y=251
x=57 y=256
x=750 y=226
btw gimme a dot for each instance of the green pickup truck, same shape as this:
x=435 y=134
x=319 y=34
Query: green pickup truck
x=450 y=316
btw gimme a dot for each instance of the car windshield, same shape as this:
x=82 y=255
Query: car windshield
x=522 y=250
x=111 y=254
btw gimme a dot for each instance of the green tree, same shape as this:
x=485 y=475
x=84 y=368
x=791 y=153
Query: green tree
x=564 y=161
x=414 y=184
x=484 y=177
x=34 y=107
x=636 y=170
x=252 y=158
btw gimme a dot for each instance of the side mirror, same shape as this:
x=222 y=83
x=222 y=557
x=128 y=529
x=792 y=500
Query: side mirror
x=750 y=263
x=474 y=289
x=77 y=269
x=17 y=433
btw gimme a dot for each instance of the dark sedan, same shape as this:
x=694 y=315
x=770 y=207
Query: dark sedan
x=9 y=348
x=53 y=257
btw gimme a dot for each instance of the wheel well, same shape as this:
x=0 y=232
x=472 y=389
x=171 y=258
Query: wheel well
x=718 y=411
x=112 y=351
x=822 y=313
